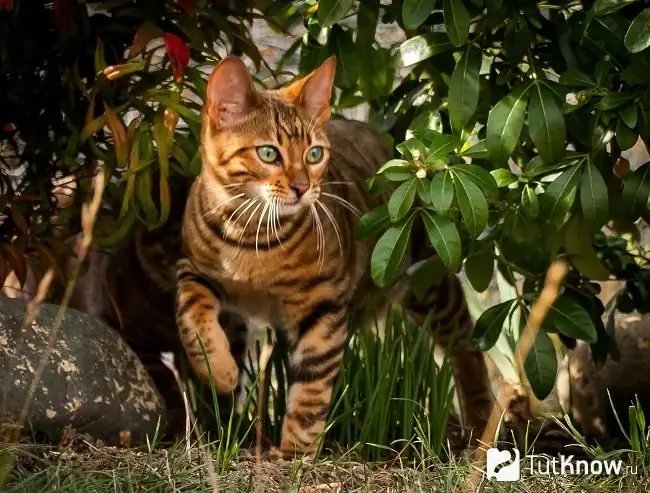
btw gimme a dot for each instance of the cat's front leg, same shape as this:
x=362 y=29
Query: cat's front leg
x=197 y=317
x=319 y=341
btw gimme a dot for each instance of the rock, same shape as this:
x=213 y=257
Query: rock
x=93 y=381
x=584 y=387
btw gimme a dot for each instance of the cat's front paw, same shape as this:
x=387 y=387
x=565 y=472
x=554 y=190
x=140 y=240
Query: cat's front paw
x=214 y=364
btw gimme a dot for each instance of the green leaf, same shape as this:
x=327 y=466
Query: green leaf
x=481 y=177
x=424 y=190
x=503 y=177
x=400 y=164
x=637 y=37
x=372 y=222
x=402 y=199
x=636 y=190
x=444 y=237
x=575 y=77
x=375 y=83
x=332 y=11
x=425 y=274
x=529 y=202
x=477 y=151
x=489 y=325
x=367 y=18
x=472 y=204
x=630 y=115
x=419 y=48
x=614 y=100
x=442 y=191
x=389 y=252
x=504 y=125
x=625 y=137
x=593 y=197
x=464 y=89
x=604 y=7
x=438 y=144
x=479 y=268
x=457 y=21
x=560 y=195
x=541 y=365
x=546 y=124
x=568 y=317
x=415 y=12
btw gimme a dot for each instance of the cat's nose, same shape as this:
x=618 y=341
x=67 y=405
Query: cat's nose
x=299 y=188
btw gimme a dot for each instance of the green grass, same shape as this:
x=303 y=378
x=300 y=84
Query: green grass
x=83 y=468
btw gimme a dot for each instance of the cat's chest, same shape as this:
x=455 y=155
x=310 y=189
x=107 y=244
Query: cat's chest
x=246 y=283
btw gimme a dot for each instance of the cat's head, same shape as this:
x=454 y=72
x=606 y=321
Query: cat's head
x=268 y=146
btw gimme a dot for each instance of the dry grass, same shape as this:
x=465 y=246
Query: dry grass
x=86 y=467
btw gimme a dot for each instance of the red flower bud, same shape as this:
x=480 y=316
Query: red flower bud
x=179 y=55
x=7 y=5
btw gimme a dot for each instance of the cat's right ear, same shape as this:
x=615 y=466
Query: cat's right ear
x=230 y=93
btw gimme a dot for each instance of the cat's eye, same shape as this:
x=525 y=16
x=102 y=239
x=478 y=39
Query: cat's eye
x=314 y=155
x=268 y=154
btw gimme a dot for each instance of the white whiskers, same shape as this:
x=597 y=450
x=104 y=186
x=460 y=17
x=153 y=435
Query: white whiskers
x=349 y=206
x=221 y=204
x=259 y=225
x=320 y=234
x=241 y=236
x=330 y=216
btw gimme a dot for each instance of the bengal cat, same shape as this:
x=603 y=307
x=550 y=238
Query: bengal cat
x=268 y=234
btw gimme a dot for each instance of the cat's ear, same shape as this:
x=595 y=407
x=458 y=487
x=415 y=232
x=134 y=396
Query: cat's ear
x=230 y=93
x=314 y=91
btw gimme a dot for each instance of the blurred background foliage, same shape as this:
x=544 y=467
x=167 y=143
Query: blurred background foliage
x=510 y=120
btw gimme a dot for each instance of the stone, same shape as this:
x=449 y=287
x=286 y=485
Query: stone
x=93 y=381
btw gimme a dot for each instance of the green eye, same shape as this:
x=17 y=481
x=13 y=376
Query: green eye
x=315 y=154
x=268 y=154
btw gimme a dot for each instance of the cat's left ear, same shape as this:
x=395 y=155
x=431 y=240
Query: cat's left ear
x=314 y=91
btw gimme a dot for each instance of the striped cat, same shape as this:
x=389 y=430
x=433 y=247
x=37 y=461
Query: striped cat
x=268 y=234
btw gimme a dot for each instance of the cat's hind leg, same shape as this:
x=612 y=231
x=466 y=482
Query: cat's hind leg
x=453 y=328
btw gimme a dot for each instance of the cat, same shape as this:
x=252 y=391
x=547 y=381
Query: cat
x=268 y=234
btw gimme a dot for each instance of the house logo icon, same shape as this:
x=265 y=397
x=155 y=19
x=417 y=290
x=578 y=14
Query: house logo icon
x=502 y=466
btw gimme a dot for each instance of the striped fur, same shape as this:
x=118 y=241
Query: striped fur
x=253 y=246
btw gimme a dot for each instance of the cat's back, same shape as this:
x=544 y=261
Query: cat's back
x=356 y=146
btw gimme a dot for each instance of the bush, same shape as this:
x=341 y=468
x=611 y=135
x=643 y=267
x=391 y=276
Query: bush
x=509 y=118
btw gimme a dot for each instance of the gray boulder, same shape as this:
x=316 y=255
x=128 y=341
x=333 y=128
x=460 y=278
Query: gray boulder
x=92 y=382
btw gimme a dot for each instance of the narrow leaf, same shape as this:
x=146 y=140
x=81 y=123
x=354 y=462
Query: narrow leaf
x=560 y=195
x=415 y=12
x=479 y=268
x=481 y=177
x=637 y=37
x=419 y=48
x=372 y=222
x=546 y=124
x=389 y=252
x=636 y=190
x=541 y=365
x=444 y=237
x=464 y=89
x=572 y=320
x=457 y=21
x=489 y=325
x=332 y=11
x=442 y=191
x=593 y=197
x=504 y=125
x=402 y=199
x=472 y=204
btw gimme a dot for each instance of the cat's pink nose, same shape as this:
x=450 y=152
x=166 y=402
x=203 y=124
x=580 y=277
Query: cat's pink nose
x=299 y=187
